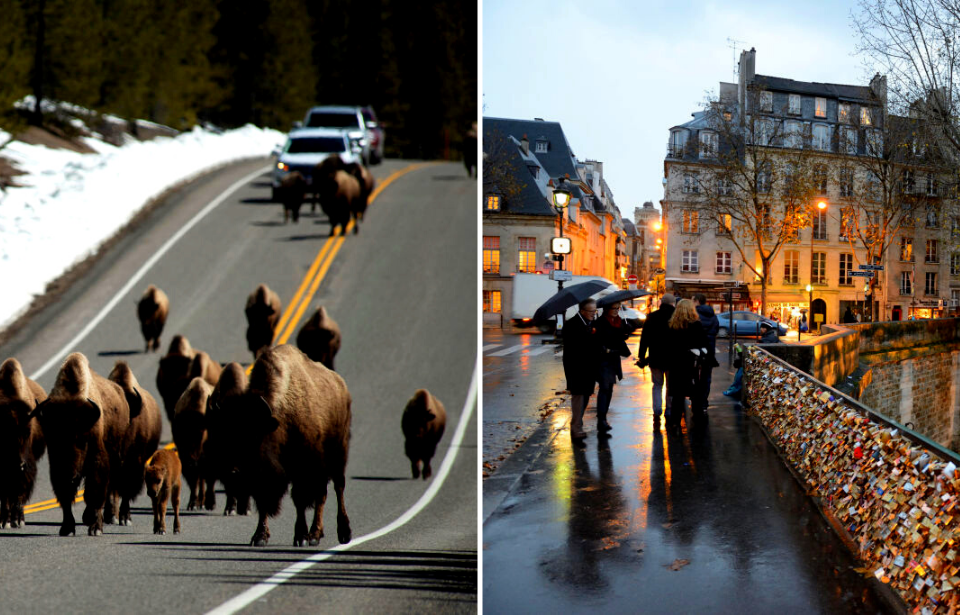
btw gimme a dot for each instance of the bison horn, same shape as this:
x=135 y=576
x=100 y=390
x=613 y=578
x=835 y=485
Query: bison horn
x=36 y=410
x=135 y=402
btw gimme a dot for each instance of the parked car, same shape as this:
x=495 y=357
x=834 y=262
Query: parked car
x=746 y=324
x=376 y=134
x=350 y=119
x=305 y=149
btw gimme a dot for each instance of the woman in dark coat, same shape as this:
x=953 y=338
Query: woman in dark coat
x=612 y=334
x=580 y=358
x=685 y=334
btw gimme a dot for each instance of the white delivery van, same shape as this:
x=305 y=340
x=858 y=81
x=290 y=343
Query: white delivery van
x=531 y=290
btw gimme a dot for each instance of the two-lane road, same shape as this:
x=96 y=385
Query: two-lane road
x=404 y=293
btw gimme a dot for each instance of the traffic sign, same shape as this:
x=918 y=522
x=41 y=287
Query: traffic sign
x=632 y=278
x=862 y=274
x=871 y=267
x=561 y=276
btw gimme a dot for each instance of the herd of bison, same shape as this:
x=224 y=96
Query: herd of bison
x=341 y=189
x=285 y=425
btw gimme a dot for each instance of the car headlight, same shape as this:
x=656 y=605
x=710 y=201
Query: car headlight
x=283 y=167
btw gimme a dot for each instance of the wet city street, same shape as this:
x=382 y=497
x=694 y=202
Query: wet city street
x=641 y=521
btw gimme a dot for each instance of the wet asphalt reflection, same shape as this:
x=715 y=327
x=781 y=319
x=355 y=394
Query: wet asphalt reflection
x=643 y=521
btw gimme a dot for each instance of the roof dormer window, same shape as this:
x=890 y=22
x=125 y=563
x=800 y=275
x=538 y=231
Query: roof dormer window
x=542 y=146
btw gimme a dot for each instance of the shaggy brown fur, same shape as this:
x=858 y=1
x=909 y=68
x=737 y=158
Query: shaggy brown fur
x=233 y=382
x=293 y=188
x=423 y=422
x=291 y=427
x=21 y=441
x=337 y=192
x=173 y=375
x=320 y=338
x=142 y=439
x=162 y=475
x=152 y=311
x=190 y=435
x=84 y=422
x=204 y=367
x=367 y=183
x=263 y=312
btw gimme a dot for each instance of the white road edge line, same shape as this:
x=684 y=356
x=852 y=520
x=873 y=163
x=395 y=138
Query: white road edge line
x=259 y=590
x=200 y=215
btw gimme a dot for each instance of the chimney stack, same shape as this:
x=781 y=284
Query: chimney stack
x=525 y=145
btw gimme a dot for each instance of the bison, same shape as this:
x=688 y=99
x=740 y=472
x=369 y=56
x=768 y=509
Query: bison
x=204 y=367
x=423 y=422
x=84 y=421
x=291 y=426
x=21 y=441
x=190 y=435
x=337 y=192
x=367 y=183
x=173 y=375
x=319 y=338
x=152 y=311
x=470 y=151
x=293 y=188
x=162 y=475
x=142 y=438
x=263 y=311
x=233 y=382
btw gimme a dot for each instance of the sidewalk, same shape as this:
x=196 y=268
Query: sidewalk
x=710 y=521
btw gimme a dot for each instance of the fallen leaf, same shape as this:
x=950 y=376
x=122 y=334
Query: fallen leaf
x=678 y=564
x=666 y=526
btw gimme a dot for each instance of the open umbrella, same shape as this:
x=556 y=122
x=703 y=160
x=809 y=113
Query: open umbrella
x=621 y=295
x=571 y=295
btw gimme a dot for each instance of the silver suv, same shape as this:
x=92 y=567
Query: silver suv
x=349 y=119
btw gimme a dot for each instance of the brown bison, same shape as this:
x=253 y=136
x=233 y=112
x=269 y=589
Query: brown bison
x=290 y=427
x=233 y=382
x=142 y=438
x=367 y=183
x=190 y=435
x=162 y=475
x=204 y=367
x=293 y=189
x=84 y=421
x=337 y=191
x=319 y=338
x=263 y=311
x=423 y=422
x=173 y=375
x=152 y=311
x=21 y=441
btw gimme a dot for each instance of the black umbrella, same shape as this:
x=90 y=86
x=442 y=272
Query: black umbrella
x=571 y=295
x=621 y=295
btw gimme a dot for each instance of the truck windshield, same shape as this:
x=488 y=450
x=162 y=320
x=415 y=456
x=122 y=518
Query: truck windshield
x=333 y=120
x=316 y=145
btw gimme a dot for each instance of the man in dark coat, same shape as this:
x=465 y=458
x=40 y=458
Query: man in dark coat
x=711 y=325
x=581 y=354
x=848 y=317
x=654 y=340
x=767 y=334
x=612 y=334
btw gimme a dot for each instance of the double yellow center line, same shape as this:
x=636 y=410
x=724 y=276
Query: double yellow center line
x=297 y=306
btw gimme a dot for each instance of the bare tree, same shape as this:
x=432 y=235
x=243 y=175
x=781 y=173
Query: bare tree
x=758 y=185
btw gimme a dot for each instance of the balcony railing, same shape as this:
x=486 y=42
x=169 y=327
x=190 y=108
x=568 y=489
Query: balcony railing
x=676 y=150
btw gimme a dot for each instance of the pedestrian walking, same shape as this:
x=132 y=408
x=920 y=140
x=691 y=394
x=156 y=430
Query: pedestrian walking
x=711 y=326
x=848 y=317
x=686 y=350
x=581 y=353
x=612 y=334
x=653 y=341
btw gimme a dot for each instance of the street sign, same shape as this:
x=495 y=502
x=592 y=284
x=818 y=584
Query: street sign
x=632 y=278
x=561 y=276
x=862 y=274
x=871 y=267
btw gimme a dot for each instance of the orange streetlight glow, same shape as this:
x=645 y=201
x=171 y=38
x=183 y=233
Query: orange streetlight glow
x=822 y=205
x=657 y=226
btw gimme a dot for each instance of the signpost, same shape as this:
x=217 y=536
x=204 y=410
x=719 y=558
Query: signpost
x=560 y=275
x=632 y=278
x=871 y=267
x=862 y=274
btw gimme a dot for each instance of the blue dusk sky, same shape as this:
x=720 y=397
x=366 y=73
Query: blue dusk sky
x=618 y=74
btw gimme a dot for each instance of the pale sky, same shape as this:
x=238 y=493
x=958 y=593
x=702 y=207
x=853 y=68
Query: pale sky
x=618 y=75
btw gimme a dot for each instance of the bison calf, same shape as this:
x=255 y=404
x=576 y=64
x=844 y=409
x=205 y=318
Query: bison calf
x=152 y=311
x=162 y=475
x=21 y=441
x=263 y=312
x=291 y=426
x=423 y=422
x=319 y=338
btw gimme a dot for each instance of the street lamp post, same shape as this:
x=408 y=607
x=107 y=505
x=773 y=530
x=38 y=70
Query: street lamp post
x=809 y=310
x=560 y=246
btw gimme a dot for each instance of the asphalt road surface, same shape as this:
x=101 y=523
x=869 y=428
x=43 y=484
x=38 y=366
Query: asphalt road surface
x=404 y=293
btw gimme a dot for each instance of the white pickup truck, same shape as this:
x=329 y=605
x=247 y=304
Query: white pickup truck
x=531 y=290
